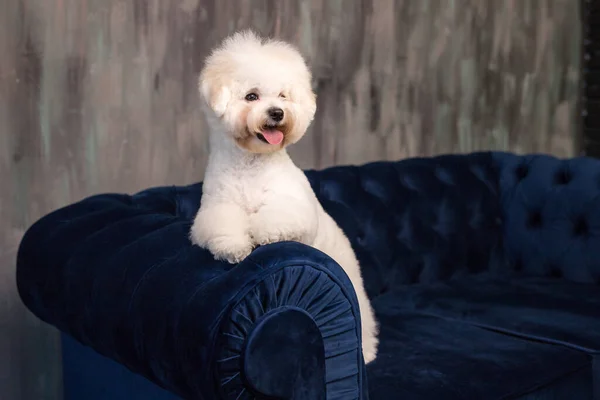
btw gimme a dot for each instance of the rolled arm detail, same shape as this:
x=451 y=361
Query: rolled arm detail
x=124 y=279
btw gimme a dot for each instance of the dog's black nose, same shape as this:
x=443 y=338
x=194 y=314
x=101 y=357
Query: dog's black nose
x=275 y=113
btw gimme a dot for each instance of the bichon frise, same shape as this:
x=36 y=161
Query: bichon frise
x=258 y=100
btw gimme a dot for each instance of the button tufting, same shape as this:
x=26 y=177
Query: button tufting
x=555 y=271
x=522 y=171
x=384 y=290
x=580 y=227
x=416 y=271
x=534 y=220
x=518 y=264
x=563 y=177
x=360 y=238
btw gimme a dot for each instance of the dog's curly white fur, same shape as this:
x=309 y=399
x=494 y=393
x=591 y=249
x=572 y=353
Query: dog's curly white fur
x=258 y=100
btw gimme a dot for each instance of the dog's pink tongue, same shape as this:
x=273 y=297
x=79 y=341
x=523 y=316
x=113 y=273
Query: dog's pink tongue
x=273 y=136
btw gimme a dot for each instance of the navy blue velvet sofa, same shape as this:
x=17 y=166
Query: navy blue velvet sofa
x=483 y=269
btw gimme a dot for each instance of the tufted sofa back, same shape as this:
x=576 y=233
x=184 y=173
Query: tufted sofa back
x=417 y=220
x=551 y=215
x=428 y=219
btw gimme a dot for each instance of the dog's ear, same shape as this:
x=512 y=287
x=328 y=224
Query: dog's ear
x=308 y=98
x=216 y=94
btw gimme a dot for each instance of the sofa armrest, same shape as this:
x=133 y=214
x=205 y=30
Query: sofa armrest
x=124 y=279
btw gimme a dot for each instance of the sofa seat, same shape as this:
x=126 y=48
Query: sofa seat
x=484 y=337
x=542 y=309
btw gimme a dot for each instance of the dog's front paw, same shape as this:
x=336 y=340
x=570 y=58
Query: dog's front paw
x=222 y=232
x=263 y=236
x=277 y=227
x=231 y=249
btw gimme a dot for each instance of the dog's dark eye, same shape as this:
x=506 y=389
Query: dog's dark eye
x=251 y=97
x=282 y=95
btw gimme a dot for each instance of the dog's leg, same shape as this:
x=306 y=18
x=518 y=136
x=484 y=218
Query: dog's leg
x=369 y=326
x=341 y=251
x=223 y=229
x=282 y=220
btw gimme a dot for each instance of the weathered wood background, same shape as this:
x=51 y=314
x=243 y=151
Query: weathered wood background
x=100 y=95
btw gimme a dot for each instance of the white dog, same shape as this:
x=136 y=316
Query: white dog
x=259 y=100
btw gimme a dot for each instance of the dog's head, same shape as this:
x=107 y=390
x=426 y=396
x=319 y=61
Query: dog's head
x=260 y=90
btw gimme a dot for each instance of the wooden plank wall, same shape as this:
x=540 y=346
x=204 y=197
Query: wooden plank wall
x=100 y=95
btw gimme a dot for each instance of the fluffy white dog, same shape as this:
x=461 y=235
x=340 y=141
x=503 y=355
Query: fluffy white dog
x=259 y=100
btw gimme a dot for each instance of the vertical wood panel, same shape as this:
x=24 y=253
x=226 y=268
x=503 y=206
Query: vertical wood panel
x=101 y=96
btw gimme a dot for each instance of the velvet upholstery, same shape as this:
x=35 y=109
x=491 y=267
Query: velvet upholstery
x=478 y=265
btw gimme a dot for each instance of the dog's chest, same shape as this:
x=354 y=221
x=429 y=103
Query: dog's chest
x=253 y=196
x=256 y=193
x=254 y=186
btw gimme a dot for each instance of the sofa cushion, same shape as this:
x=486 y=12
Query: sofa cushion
x=425 y=357
x=543 y=309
